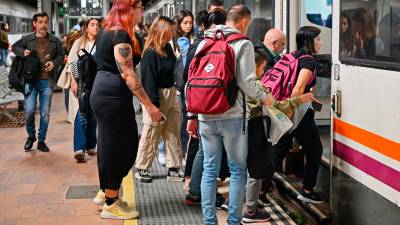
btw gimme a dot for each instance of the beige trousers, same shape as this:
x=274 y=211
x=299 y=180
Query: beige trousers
x=169 y=130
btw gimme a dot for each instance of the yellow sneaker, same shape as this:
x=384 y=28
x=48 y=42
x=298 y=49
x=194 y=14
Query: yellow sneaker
x=119 y=210
x=100 y=198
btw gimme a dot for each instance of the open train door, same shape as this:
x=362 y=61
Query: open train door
x=365 y=187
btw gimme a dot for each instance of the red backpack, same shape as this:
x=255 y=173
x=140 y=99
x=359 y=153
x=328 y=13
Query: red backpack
x=211 y=87
x=282 y=78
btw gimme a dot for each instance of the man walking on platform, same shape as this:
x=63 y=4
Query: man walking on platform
x=50 y=51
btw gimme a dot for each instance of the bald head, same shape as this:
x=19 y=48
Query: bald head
x=275 y=40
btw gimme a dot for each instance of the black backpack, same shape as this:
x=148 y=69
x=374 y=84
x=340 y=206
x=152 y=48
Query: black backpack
x=179 y=80
x=87 y=69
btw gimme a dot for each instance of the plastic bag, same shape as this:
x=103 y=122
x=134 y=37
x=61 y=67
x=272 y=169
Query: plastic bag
x=280 y=123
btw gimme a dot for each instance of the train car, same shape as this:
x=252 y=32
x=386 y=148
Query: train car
x=365 y=186
x=360 y=171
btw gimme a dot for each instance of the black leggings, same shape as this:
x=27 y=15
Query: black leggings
x=308 y=136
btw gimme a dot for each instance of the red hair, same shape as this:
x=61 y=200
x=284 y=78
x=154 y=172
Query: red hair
x=120 y=18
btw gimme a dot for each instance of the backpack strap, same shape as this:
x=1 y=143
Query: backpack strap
x=244 y=113
x=94 y=45
x=235 y=37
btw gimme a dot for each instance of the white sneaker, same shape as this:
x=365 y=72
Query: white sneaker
x=100 y=198
x=91 y=151
x=119 y=210
x=161 y=158
x=79 y=156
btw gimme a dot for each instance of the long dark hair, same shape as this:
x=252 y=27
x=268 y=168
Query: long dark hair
x=179 y=18
x=347 y=37
x=305 y=40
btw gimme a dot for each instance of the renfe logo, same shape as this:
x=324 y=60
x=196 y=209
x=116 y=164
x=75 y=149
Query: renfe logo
x=210 y=67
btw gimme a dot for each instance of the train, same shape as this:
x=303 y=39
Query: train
x=360 y=171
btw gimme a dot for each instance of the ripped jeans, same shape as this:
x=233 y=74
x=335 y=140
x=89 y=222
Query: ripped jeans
x=45 y=92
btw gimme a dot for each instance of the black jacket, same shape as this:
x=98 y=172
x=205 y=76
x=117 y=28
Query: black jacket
x=56 y=52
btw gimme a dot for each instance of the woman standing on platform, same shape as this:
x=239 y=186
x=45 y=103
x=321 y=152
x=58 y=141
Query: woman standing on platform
x=183 y=39
x=158 y=80
x=85 y=139
x=118 y=52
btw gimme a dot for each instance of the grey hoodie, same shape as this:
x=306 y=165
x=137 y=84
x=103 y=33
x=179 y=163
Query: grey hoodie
x=245 y=75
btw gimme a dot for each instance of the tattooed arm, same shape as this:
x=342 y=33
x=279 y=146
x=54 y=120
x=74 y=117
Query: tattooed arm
x=123 y=59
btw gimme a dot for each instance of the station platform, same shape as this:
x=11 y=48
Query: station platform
x=39 y=188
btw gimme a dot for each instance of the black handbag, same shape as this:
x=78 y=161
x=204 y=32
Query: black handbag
x=15 y=75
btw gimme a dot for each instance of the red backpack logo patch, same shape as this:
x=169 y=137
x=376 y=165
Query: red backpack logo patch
x=211 y=86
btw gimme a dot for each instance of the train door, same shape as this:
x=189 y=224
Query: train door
x=366 y=113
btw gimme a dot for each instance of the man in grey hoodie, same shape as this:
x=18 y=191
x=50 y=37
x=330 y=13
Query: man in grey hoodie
x=225 y=129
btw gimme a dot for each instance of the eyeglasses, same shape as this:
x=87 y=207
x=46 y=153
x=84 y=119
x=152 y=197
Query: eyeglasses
x=281 y=43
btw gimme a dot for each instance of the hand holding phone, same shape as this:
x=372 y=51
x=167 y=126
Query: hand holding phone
x=162 y=120
x=317 y=106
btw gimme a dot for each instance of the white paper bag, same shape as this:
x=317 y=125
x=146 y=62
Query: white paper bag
x=280 y=123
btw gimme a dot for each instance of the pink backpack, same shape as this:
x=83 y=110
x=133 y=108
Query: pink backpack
x=282 y=78
x=211 y=87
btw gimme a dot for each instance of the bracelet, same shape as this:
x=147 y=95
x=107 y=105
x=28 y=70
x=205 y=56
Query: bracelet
x=192 y=117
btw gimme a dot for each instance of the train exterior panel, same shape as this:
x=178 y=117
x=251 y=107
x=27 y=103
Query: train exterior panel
x=366 y=141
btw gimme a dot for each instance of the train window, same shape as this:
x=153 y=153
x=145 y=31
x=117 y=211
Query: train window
x=370 y=33
x=262 y=18
x=319 y=12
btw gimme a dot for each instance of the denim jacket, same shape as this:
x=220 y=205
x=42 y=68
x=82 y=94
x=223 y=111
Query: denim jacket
x=56 y=53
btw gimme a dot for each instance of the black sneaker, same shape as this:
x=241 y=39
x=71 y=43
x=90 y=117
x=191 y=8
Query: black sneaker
x=219 y=201
x=143 y=176
x=29 y=143
x=192 y=199
x=309 y=197
x=257 y=216
x=263 y=201
x=225 y=205
x=41 y=146
x=175 y=174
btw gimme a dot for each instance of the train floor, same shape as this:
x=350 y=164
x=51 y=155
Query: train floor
x=39 y=188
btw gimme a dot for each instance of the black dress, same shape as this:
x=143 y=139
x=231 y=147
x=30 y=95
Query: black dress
x=111 y=101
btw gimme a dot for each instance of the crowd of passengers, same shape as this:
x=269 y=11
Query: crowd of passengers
x=143 y=61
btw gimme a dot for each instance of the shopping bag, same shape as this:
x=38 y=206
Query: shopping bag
x=280 y=123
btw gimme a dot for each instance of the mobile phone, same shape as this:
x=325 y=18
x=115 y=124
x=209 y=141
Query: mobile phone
x=317 y=106
x=163 y=118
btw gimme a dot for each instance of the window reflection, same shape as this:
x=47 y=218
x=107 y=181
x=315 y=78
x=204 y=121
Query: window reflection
x=369 y=30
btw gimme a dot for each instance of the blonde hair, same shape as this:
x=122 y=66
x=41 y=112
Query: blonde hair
x=72 y=36
x=159 y=29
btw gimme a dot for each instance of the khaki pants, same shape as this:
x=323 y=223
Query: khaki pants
x=169 y=130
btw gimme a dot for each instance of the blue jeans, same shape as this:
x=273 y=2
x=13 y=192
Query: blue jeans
x=215 y=134
x=85 y=130
x=45 y=92
x=3 y=56
x=197 y=172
